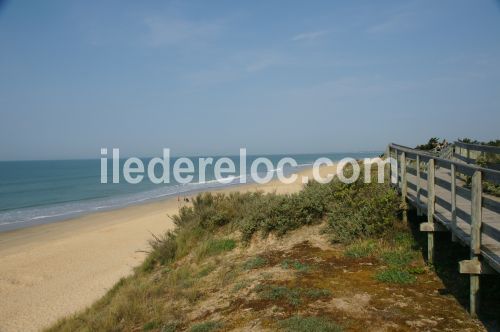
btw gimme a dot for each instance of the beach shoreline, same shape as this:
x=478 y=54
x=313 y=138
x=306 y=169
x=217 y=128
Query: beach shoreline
x=53 y=270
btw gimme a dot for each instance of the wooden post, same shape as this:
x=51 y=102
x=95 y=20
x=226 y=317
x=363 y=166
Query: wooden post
x=397 y=167
x=453 y=203
x=404 y=186
x=430 y=209
x=419 y=210
x=388 y=170
x=475 y=246
x=476 y=201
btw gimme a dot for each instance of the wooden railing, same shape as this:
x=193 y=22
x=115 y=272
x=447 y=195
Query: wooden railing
x=469 y=153
x=443 y=194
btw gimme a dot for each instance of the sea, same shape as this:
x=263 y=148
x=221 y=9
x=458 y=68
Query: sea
x=45 y=191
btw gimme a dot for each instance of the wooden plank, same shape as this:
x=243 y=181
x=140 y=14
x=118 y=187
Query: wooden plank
x=444 y=163
x=432 y=227
x=492 y=176
x=491 y=204
x=465 y=159
x=474 y=266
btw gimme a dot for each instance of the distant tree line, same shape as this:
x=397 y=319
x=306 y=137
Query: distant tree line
x=474 y=141
x=435 y=142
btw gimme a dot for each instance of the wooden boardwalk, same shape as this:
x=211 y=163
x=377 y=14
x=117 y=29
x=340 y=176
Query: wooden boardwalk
x=434 y=186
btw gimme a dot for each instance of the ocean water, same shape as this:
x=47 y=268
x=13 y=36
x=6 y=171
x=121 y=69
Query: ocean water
x=37 y=192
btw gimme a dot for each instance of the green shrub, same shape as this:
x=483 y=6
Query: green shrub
x=309 y=324
x=164 y=250
x=361 y=210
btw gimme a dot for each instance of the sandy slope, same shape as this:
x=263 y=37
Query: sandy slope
x=52 y=270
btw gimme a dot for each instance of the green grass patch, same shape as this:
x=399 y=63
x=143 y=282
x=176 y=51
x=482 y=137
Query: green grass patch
x=205 y=271
x=255 y=263
x=361 y=249
x=151 y=326
x=279 y=293
x=292 y=296
x=404 y=239
x=309 y=324
x=294 y=264
x=180 y=278
x=316 y=293
x=398 y=257
x=416 y=270
x=395 y=276
x=206 y=327
x=170 y=327
x=214 y=247
x=240 y=285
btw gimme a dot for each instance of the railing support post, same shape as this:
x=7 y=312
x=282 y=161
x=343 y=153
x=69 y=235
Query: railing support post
x=475 y=246
x=419 y=209
x=404 y=186
x=388 y=170
x=397 y=168
x=430 y=209
x=453 y=203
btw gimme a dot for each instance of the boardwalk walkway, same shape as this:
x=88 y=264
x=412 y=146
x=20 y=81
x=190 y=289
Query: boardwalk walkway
x=434 y=186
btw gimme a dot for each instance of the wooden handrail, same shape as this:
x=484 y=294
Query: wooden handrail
x=478 y=147
x=488 y=174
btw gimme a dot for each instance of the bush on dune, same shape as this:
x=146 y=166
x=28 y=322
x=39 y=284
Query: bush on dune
x=352 y=211
x=361 y=211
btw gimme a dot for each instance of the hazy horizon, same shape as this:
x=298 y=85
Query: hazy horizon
x=206 y=78
x=231 y=154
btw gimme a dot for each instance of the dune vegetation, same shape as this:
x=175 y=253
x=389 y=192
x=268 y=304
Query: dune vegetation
x=331 y=257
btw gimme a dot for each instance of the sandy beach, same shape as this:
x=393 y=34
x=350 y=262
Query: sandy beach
x=53 y=270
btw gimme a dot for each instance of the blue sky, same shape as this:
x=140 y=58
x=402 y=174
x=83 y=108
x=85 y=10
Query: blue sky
x=209 y=77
